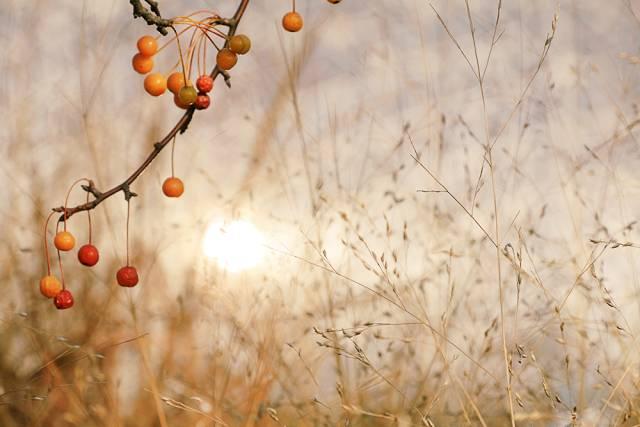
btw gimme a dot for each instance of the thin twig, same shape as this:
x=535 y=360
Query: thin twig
x=152 y=16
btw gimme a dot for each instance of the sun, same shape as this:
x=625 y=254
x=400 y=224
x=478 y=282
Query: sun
x=236 y=246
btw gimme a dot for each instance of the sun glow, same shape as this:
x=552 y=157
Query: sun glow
x=236 y=246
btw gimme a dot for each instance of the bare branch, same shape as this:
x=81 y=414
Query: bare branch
x=180 y=127
x=151 y=16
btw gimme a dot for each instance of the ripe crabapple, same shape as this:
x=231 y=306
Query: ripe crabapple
x=88 y=255
x=226 y=59
x=127 y=276
x=292 y=22
x=64 y=241
x=173 y=187
x=63 y=300
x=50 y=286
x=147 y=45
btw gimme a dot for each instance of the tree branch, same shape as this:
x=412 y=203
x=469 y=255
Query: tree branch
x=180 y=127
x=151 y=16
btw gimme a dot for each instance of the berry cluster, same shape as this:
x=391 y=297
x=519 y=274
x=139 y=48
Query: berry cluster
x=88 y=255
x=203 y=33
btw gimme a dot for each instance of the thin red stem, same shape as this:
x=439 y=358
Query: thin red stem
x=66 y=200
x=46 y=244
x=89 y=219
x=128 y=215
x=173 y=148
x=60 y=260
x=184 y=71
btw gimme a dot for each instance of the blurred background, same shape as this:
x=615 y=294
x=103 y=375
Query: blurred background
x=305 y=278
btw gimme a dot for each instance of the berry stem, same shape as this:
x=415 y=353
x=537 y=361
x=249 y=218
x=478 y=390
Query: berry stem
x=178 y=34
x=127 y=237
x=294 y=5
x=89 y=219
x=46 y=244
x=184 y=71
x=60 y=260
x=66 y=200
x=173 y=149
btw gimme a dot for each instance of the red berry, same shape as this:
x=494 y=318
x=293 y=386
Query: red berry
x=63 y=300
x=127 y=276
x=202 y=101
x=204 y=83
x=88 y=255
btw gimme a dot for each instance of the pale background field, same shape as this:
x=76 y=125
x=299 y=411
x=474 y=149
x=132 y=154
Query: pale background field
x=311 y=145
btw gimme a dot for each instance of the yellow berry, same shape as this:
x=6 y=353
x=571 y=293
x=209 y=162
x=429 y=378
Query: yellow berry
x=240 y=44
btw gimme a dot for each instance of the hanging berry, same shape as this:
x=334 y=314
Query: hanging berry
x=50 y=286
x=63 y=300
x=204 y=83
x=142 y=64
x=64 y=241
x=226 y=59
x=155 y=84
x=127 y=276
x=240 y=44
x=175 y=82
x=202 y=101
x=292 y=22
x=147 y=46
x=187 y=95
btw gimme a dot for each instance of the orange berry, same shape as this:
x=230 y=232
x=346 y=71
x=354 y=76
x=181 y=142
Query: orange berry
x=64 y=241
x=173 y=187
x=240 y=44
x=147 y=45
x=292 y=22
x=50 y=286
x=142 y=64
x=155 y=84
x=226 y=59
x=175 y=82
